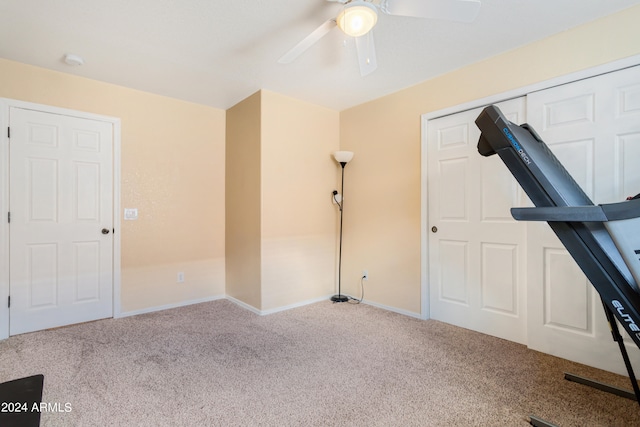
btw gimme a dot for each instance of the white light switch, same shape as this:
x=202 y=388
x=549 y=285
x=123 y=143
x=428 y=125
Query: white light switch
x=130 y=213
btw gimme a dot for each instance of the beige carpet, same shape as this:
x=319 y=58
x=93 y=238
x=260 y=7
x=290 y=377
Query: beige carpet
x=216 y=364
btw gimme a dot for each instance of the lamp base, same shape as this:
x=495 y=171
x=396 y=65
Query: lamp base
x=339 y=298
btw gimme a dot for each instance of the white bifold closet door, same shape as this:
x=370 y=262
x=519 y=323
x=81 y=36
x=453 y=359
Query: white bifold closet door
x=593 y=127
x=476 y=249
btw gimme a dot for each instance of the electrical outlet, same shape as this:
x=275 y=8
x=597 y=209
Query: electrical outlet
x=180 y=277
x=365 y=274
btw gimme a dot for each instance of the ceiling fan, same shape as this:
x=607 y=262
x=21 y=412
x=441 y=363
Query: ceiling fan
x=358 y=17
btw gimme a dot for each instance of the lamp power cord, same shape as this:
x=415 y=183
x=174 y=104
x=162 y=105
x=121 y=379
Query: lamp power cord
x=353 y=300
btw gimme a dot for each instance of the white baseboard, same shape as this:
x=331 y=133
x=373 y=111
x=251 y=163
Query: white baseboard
x=168 y=306
x=320 y=299
x=393 y=309
x=296 y=305
x=243 y=305
x=277 y=309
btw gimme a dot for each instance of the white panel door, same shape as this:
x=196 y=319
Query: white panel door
x=476 y=249
x=61 y=203
x=593 y=127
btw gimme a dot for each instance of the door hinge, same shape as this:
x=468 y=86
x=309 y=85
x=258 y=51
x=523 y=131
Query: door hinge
x=9 y=301
x=8 y=132
x=9 y=217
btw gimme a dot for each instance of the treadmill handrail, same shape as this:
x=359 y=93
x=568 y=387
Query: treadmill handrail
x=600 y=213
x=560 y=214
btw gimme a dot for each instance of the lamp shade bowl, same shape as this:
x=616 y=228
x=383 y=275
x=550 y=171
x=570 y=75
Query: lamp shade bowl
x=343 y=156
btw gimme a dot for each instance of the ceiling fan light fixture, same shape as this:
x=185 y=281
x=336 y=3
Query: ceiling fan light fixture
x=357 y=18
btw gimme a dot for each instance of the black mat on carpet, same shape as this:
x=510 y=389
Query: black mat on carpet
x=20 y=402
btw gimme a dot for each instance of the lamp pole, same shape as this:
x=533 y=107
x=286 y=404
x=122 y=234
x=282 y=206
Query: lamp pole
x=342 y=157
x=340 y=297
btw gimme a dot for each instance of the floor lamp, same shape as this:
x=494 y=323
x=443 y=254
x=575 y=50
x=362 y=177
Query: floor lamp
x=342 y=157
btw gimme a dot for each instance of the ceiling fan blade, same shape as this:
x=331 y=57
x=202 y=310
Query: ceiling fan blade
x=307 y=42
x=366 y=54
x=450 y=10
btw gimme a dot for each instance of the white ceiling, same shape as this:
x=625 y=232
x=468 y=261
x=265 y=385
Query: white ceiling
x=218 y=52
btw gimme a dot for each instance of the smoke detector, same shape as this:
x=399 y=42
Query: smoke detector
x=73 y=60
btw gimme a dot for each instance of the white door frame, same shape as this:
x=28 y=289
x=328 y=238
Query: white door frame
x=492 y=99
x=5 y=105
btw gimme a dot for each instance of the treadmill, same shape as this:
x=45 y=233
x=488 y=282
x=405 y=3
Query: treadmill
x=604 y=240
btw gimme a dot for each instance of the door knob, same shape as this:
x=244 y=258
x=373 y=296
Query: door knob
x=434 y=229
x=105 y=231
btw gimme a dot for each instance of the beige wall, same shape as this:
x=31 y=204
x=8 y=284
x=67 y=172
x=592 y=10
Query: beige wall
x=173 y=165
x=242 y=201
x=281 y=224
x=382 y=217
x=298 y=218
